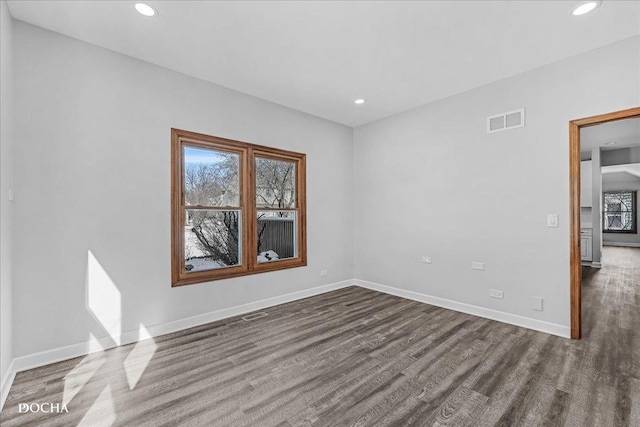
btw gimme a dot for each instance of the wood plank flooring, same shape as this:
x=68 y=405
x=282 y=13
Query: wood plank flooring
x=356 y=357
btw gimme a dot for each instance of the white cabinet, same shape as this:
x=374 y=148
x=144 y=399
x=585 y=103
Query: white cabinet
x=586 y=244
x=586 y=184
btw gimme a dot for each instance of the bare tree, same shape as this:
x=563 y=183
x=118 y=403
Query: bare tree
x=214 y=184
x=275 y=188
x=217 y=234
x=275 y=183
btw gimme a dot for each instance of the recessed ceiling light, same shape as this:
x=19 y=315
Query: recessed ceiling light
x=359 y=101
x=586 y=7
x=145 y=9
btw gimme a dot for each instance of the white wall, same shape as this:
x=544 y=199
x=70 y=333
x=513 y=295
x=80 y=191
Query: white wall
x=619 y=182
x=6 y=183
x=92 y=155
x=431 y=181
x=621 y=156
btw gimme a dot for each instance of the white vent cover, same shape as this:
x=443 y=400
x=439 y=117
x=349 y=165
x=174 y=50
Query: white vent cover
x=254 y=316
x=505 y=121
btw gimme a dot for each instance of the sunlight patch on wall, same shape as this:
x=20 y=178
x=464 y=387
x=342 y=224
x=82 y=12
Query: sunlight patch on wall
x=75 y=380
x=103 y=298
x=102 y=413
x=139 y=358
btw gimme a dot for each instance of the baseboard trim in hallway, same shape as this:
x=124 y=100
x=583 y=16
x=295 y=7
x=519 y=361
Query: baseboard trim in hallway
x=622 y=244
x=500 y=316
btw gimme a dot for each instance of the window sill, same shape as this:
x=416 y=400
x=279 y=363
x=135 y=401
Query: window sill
x=236 y=272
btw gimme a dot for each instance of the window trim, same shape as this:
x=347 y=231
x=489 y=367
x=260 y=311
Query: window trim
x=248 y=207
x=634 y=212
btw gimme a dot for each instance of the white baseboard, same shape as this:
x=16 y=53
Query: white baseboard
x=628 y=245
x=47 y=357
x=5 y=385
x=512 y=319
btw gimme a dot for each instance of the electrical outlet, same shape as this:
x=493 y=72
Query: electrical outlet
x=426 y=259
x=477 y=265
x=536 y=303
x=494 y=293
x=323 y=273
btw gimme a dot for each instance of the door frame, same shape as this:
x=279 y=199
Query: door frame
x=574 y=184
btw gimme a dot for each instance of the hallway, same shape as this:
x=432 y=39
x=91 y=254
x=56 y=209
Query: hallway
x=610 y=368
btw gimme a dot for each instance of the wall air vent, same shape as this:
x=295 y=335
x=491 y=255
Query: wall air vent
x=505 y=121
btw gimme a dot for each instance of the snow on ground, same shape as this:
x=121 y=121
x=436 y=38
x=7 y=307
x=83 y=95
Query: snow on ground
x=200 y=262
x=191 y=249
x=194 y=256
x=268 y=256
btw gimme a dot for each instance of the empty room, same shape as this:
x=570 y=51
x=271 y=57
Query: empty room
x=319 y=213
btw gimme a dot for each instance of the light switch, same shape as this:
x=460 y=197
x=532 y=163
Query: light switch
x=12 y=195
x=552 y=220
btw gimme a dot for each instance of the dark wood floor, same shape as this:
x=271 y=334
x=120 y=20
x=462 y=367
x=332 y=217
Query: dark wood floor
x=358 y=357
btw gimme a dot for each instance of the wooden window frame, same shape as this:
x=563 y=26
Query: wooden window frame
x=248 y=207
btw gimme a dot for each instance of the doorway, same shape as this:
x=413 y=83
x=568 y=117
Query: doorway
x=575 y=211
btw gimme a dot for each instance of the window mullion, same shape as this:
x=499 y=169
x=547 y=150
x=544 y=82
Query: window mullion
x=249 y=238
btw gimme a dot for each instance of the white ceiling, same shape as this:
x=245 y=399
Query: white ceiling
x=625 y=133
x=318 y=57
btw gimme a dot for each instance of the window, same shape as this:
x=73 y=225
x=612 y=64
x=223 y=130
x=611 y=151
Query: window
x=620 y=212
x=237 y=208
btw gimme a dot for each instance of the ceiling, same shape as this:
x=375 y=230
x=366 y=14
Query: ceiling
x=318 y=57
x=625 y=133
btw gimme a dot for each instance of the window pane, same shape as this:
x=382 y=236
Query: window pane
x=212 y=239
x=615 y=221
x=619 y=211
x=211 y=177
x=275 y=183
x=614 y=207
x=277 y=235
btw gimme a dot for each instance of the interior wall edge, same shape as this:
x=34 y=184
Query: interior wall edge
x=7 y=312
x=5 y=384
